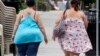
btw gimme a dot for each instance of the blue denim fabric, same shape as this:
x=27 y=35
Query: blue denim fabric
x=29 y=49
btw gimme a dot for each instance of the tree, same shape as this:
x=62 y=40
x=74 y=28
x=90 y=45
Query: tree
x=87 y=3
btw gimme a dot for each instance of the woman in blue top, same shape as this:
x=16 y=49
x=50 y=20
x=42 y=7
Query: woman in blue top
x=28 y=31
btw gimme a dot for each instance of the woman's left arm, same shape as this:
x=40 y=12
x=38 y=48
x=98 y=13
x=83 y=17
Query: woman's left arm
x=42 y=28
x=85 y=19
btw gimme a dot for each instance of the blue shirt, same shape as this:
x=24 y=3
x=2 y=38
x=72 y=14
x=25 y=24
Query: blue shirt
x=28 y=31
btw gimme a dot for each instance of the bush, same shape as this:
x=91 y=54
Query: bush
x=22 y=5
x=41 y=5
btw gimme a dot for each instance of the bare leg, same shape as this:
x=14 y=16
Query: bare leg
x=74 y=54
x=66 y=53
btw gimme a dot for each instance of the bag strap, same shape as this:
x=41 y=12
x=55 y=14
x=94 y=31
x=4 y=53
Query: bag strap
x=34 y=14
x=37 y=22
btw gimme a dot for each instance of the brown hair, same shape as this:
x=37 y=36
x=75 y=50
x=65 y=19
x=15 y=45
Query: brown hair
x=75 y=4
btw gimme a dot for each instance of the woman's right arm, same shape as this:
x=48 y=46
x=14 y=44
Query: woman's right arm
x=18 y=17
x=57 y=21
x=85 y=19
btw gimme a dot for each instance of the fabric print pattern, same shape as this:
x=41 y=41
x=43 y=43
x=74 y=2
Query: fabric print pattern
x=76 y=38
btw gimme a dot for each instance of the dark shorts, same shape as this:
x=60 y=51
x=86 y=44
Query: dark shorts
x=29 y=49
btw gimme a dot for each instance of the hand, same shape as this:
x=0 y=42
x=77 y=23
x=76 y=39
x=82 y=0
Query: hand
x=46 y=41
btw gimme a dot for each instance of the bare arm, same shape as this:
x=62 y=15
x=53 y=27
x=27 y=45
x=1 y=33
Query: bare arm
x=16 y=24
x=58 y=19
x=85 y=19
x=41 y=27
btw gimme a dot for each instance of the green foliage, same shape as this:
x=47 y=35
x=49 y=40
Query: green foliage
x=41 y=5
x=22 y=5
x=89 y=1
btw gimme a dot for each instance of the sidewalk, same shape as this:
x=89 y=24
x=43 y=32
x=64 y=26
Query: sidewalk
x=51 y=49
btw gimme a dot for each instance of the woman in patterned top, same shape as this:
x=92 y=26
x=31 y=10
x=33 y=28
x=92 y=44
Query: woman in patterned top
x=75 y=40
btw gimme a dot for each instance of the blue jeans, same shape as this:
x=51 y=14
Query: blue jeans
x=29 y=49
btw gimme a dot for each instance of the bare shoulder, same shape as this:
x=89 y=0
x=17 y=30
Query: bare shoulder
x=61 y=12
x=83 y=15
x=36 y=12
x=20 y=13
x=67 y=10
x=81 y=12
x=37 y=16
x=59 y=15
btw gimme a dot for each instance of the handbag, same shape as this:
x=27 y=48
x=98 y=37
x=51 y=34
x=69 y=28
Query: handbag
x=59 y=30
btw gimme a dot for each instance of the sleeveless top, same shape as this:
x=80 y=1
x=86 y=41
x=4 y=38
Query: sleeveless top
x=28 y=31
